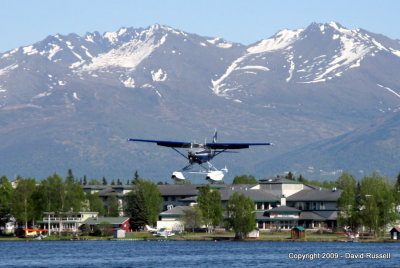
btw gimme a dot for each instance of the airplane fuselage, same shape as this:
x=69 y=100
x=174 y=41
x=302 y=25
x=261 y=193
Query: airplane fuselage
x=200 y=155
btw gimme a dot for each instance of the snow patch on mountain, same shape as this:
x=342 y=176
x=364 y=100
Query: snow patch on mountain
x=53 y=51
x=159 y=75
x=128 y=82
x=30 y=50
x=75 y=96
x=390 y=90
x=8 y=69
x=219 y=42
x=128 y=55
x=281 y=40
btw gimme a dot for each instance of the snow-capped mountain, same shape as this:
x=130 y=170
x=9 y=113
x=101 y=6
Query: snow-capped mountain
x=318 y=54
x=71 y=101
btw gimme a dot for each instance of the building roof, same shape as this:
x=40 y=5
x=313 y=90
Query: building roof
x=316 y=194
x=111 y=220
x=178 y=189
x=278 y=181
x=395 y=229
x=327 y=214
x=175 y=211
x=283 y=209
x=300 y=228
x=255 y=195
x=308 y=215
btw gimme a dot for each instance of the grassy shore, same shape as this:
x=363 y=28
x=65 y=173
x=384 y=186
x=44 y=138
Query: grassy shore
x=264 y=236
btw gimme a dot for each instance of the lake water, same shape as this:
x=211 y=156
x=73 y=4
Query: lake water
x=195 y=254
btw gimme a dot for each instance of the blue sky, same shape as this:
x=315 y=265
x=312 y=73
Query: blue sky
x=248 y=21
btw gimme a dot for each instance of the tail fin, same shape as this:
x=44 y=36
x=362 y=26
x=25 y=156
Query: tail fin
x=215 y=136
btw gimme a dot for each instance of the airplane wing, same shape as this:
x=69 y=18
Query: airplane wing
x=175 y=144
x=215 y=145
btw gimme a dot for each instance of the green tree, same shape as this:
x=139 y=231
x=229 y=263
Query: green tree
x=94 y=182
x=144 y=204
x=95 y=203
x=70 y=175
x=136 y=177
x=209 y=202
x=105 y=228
x=119 y=182
x=241 y=217
x=23 y=205
x=75 y=196
x=112 y=206
x=136 y=209
x=6 y=192
x=349 y=214
x=192 y=217
x=290 y=176
x=397 y=190
x=245 y=179
x=104 y=181
x=378 y=203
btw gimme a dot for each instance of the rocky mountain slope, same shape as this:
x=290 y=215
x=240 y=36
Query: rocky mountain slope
x=71 y=101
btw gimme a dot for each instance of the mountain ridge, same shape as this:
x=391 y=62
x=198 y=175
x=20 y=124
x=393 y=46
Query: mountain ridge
x=80 y=97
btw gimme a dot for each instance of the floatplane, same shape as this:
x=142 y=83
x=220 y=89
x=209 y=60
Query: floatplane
x=201 y=154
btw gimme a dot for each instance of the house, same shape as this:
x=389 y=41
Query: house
x=298 y=232
x=65 y=222
x=395 y=233
x=106 y=191
x=171 y=219
x=9 y=227
x=116 y=222
x=279 y=203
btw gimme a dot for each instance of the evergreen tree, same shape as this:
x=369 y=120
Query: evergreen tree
x=70 y=176
x=113 y=182
x=241 y=217
x=104 y=181
x=136 y=210
x=290 y=176
x=84 y=180
x=119 y=182
x=144 y=204
x=136 y=178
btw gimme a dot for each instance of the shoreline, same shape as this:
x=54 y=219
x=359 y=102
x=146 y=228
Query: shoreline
x=203 y=239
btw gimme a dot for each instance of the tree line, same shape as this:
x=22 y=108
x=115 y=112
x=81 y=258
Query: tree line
x=28 y=199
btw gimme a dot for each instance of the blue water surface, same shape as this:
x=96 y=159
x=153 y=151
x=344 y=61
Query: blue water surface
x=194 y=254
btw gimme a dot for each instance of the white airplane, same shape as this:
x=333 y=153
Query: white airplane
x=151 y=229
x=201 y=154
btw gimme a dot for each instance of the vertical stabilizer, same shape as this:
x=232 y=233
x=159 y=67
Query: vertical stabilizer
x=215 y=136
